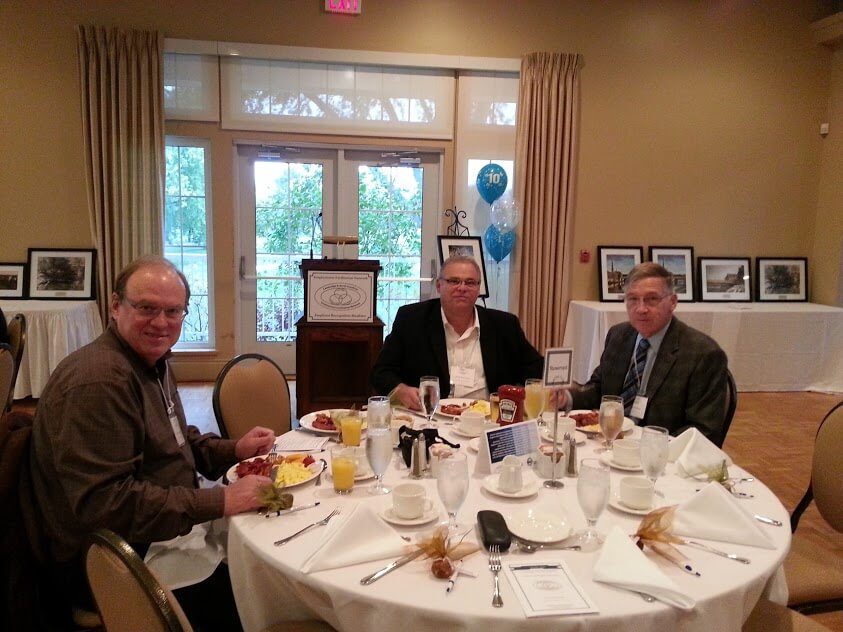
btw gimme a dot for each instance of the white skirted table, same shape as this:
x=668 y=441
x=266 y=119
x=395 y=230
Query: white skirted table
x=54 y=329
x=770 y=346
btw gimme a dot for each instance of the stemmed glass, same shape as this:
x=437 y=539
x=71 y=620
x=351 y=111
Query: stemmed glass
x=611 y=419
x=429 y=395
x=593 y=496
x=379 y=440
x=452 y=485
x=654 y=451
x=534 y=399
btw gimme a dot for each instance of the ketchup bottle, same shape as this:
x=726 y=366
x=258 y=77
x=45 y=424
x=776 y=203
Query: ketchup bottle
x=511 y=404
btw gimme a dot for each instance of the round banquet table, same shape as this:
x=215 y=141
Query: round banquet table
x=269 y=587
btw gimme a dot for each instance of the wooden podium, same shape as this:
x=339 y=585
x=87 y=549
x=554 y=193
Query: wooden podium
x=339 y=336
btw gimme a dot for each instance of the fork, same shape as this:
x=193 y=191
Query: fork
x=318 y=523
x=495 y=567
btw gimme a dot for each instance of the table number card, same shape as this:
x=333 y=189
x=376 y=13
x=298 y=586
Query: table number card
x=558 y=364
x=520 y=439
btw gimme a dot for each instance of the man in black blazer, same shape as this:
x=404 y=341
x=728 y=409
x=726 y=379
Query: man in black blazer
x=684 y=375
x=473 y=363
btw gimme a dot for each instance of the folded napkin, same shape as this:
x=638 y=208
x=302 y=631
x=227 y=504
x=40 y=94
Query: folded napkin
x=191 y=558
x=714 y=514
x=694 y=454
x=621 y=563
x=352 y=537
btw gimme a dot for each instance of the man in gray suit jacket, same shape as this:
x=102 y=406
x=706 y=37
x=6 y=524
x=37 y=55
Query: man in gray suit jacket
x=470 y=348
x=676 y=379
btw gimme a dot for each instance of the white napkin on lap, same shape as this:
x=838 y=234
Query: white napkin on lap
x=694 y=454
x=621 y=563
x=191 y=558
x=714 y=514
x=355 y=536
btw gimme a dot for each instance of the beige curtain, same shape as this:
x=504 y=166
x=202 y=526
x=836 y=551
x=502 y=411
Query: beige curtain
x=120 y=74
x=545 y=178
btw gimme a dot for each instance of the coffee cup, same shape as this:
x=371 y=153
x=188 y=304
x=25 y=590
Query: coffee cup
x=544 y=460
x=510 y=479
x=636 y=492
x=563 y=424
x=472 y=423
x=627 y=452
x=409 y=501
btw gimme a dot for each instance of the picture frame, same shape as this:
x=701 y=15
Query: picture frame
x=61 y=274
x=472 y=246
x=614 y=264
x=781 y=279
x=725 y=279
x=12 y=280
x=679 y=261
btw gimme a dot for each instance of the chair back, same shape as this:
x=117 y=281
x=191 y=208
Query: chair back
x=128 y=595
x=827 y=468
x=251 y=390
x=7 y=375
x=731 y=404
x=17 y=342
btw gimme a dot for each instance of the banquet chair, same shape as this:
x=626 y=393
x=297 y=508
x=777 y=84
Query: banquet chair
x=731 y=405
x=815 y=581
x=7 y=375
x=768 y=616
x=251 y=390
x=17 y=341
x=130 y=597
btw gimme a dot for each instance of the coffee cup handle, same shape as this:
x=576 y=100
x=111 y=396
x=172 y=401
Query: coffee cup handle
x=428 y=506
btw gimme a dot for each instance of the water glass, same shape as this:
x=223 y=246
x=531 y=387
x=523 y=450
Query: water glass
x=429 y=395
x=654 y=451
x=452 y=485
x=379 y=440
x=593 y=496
x=610 y=418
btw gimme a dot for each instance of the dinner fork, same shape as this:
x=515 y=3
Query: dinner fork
x=495 y=567
x=318 y=523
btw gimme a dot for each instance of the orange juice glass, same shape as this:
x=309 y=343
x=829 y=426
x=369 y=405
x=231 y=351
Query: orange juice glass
x=343 y=466
x=351 y=430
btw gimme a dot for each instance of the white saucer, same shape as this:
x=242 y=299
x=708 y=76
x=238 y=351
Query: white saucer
x=465 y=433
x=537 y=525
x=607 y=459
x=388 y=515
x=615 y=503
x=531 y=486
x=546 y=435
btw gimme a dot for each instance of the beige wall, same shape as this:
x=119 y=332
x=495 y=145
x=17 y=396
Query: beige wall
x=699 y=119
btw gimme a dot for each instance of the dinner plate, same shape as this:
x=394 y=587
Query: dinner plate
x=539 y=525
x=594 y=429
x=306 y=422
x=389 y=515
x=615 y=503
x=531 y=486
x=608 y=459
x=547 y=435
x=457 y=401
x=315 y=468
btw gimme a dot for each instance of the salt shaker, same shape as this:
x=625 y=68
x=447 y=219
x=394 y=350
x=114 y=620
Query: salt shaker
x=418 y=457
x=571 y=463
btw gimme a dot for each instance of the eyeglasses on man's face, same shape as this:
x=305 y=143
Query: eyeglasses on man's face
x=150 y=312
x=455 y=282
x=651 y=300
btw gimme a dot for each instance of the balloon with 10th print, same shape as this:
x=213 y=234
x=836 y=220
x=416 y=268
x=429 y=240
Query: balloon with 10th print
x=491 y=182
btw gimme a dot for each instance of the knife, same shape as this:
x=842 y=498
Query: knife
x=284 y=512
x=369 y=579
x=711 y=549
x=766 y=520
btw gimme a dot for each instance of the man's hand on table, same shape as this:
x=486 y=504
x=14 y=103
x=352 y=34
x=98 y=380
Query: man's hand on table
x=257 y=441
x=408 y=396
x=242 y=494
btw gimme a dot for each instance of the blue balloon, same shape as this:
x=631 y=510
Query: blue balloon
x=498 y=244
x=491 y=182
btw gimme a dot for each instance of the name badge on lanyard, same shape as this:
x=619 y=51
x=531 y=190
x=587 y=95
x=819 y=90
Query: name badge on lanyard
x=639 y=407
x=462 y=376
x=174 y=423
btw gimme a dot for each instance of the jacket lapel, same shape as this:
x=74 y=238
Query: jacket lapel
x=665 y=360
x=437 y=339
x=488 y=347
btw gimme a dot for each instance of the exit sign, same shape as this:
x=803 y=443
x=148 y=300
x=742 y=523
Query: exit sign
x=352 y=7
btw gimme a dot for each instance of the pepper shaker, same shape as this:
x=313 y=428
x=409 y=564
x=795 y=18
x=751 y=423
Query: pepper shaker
x=417 y=457
x=571 y=463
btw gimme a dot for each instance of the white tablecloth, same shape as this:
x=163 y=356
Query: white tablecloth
x=269 y=587
x=770 y=346
x=53 y=330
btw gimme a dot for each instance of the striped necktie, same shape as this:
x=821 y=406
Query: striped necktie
x=633 y=377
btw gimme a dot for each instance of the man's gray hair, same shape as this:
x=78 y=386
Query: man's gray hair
x=461 y=259
x=649 y=270
x=148 y=261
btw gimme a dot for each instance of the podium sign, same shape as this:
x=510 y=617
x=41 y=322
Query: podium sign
x=339 y=296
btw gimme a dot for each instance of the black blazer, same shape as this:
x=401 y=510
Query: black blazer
x=416 y=347
x=687 y=386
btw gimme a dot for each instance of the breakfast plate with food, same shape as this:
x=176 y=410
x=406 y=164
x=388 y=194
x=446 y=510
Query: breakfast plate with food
x=454 y=407
x=289 y=471
x=327 y=421
x=588 y=422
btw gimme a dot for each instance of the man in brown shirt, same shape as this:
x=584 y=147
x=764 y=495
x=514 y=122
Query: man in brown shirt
x=110 y=445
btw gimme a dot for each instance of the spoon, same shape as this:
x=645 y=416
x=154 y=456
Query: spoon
x=321 y=472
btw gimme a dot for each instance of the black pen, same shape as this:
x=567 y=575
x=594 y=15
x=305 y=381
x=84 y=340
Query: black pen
x=453 y=577
x=531 y=566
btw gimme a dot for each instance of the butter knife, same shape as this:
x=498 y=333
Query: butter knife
x=369 y=579
x=766 y=520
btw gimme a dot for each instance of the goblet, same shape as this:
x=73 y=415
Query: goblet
x=452 y=485
x=654 y=452
x=429 y=395
x=534 y=399
x=610 y=419
x=379 y=440
x=593 y=496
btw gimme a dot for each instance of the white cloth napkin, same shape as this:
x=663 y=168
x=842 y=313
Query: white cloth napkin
x=191 y=558
x=355 y=536
x=714 y=514
x=694 y=454
x=621 y=563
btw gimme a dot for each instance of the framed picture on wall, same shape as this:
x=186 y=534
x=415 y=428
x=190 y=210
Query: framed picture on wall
x=781 y=279
x=679 y=261
x=452 y=246
x=725 y=279
x=614 y=264
x=12 y=280
x=66 y=274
